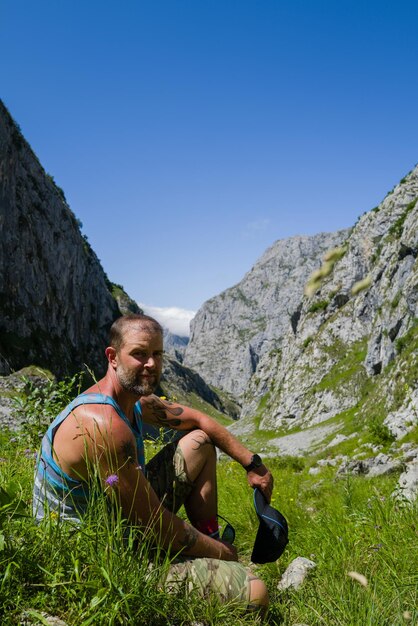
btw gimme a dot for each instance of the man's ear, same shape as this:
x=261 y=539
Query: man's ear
x=111 y=355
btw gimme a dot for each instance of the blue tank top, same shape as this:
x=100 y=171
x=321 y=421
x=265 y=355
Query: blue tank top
x=54 y=490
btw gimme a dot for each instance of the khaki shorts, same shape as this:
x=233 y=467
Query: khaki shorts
x=227 y=580
x=167 y=474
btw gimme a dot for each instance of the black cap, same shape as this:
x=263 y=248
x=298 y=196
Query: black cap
x=272 y=534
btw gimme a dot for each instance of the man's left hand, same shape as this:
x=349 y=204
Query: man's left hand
x=261 y=478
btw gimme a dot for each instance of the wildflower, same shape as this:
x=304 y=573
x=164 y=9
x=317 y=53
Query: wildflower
x=28 y=453
x=111 y=480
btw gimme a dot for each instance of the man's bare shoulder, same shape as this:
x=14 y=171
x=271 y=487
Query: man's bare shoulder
x=91 y=423
x=98 y=416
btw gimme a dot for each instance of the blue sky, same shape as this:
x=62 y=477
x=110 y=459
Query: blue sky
x=189 y=135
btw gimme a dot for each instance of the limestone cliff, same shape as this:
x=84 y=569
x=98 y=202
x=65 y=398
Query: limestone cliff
x=354 y=350
x=55 y=302
x=232 y=332
x=349 y=350
x=175 y=345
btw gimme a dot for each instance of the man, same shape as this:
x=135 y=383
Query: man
x=102 y=429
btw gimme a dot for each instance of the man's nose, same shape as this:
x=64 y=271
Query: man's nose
x=150 y=361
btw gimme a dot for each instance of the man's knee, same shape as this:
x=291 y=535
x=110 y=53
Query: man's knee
x=259 y=597
x=198 y=442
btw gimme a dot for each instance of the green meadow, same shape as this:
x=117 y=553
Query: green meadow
x=91 y=575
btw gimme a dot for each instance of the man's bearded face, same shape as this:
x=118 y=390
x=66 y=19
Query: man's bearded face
x=140 y=385
x=140 y=361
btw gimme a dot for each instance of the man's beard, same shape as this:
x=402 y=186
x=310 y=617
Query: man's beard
x=128 y=381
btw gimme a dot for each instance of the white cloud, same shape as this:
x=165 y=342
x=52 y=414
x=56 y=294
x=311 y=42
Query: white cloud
x=175 y=319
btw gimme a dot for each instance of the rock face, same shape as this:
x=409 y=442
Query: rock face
x=56 y=302
x=180 y=380
x=234 y=331
x=56 y=305
x=408 y=483
x=174 y=345
x=348 y=349
x=347 y=346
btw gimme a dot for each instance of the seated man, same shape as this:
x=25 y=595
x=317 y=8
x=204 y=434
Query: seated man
x=102 y=428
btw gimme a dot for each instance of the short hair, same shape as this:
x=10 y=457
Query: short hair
x=119 y=326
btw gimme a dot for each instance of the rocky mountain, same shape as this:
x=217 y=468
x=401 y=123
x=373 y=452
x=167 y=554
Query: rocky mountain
x=232 y=332
x=56 y=301
x=341 y=357
x=181 y=382
x=175 y=345
x=355 y=343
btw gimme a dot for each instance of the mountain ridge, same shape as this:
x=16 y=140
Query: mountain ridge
x=346 y=355
x=250 y=319
x=57 y=303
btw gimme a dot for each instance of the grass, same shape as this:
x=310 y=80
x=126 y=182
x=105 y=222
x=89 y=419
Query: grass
x=396 y=229
x=321 y=305
x=348 y=369
x=92 y=576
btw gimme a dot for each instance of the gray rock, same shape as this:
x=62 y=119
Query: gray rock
x=407 y=489
x=180 y=380
x=409 y=452
x=314 y=471
x=296 y=573
x=174 y=345
x=380 y=465
x=402 y=421
x=284 y=353
x=56 y=300
x=337 y=439
x=248 y=321
x=327 y=462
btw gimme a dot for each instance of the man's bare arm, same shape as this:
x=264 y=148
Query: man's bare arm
x=140 y=504
x=163 y=413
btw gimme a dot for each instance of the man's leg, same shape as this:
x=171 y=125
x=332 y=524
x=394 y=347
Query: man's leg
x=228 y=581
x=191 y=470
x=259 y=596
x=200 y=466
